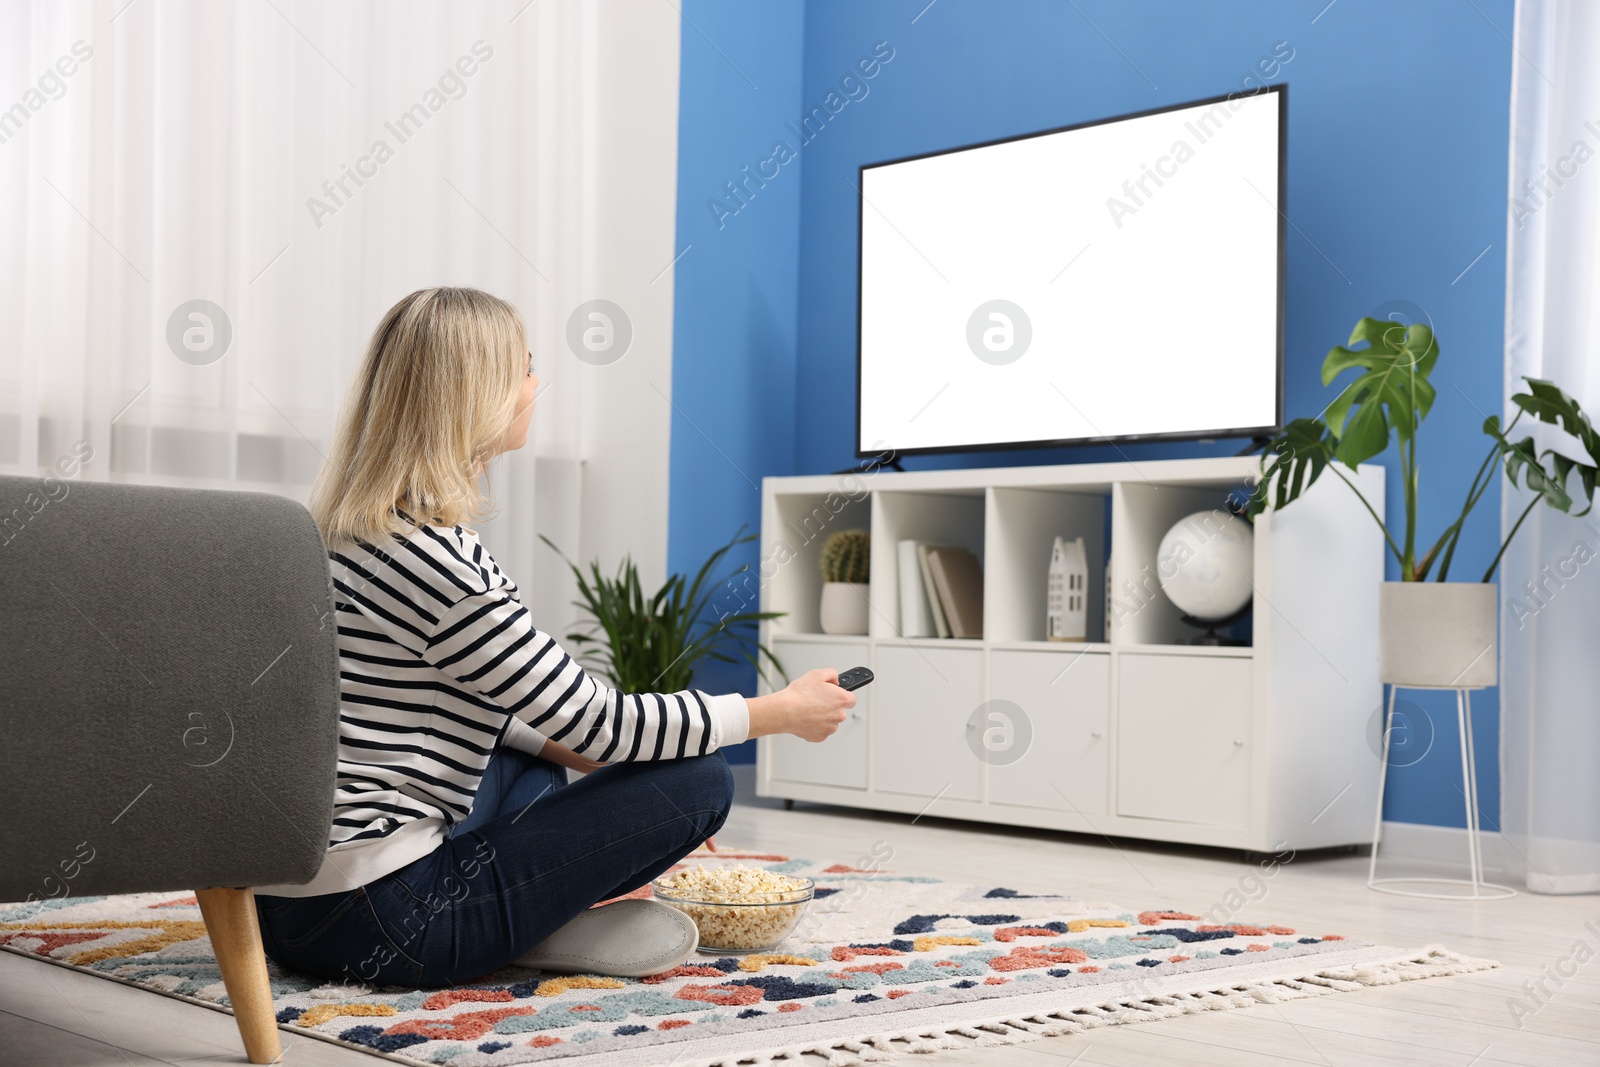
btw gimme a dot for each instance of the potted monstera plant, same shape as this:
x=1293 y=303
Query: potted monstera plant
x=1432 y=632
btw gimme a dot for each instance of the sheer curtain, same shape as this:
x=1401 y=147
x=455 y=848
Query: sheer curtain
x=206 y=208
x=1550 y=580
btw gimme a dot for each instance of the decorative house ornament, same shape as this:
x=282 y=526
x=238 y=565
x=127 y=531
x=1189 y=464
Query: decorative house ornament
x=846 y=559
x=1105 y=620
x=1067 y=601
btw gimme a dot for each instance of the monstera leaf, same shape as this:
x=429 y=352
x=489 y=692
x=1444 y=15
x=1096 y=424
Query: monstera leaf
x=1392 y=392
x=1545 y=401
x=1298 y=456
x=1522 y=457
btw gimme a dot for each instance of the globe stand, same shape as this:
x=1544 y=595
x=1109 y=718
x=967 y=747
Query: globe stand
x=1211 y=637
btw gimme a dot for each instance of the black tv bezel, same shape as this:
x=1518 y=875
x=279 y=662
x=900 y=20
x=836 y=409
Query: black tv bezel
x=1282 y=89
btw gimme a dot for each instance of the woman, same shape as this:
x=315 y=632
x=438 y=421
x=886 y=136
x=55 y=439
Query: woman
x=457 y=846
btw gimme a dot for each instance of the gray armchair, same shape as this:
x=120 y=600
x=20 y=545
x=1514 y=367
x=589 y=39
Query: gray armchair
x=170 y=705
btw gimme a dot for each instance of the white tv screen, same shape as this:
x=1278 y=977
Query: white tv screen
x=1109 y=281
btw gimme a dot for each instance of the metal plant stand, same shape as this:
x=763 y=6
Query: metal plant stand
x=1479 y=889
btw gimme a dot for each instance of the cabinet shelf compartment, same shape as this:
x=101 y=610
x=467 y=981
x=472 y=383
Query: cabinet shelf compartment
x=842 y=762
x=921 y=720
x=1055 y=753
x=1141 y=515
x=791 y=561
x=954 y=517
x=1023 y=526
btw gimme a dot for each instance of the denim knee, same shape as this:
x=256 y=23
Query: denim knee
x=722 y=779
x=705 y=778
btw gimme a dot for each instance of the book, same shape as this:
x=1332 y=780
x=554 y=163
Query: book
x=940 y=626
x=916 y=617
x=958 y=577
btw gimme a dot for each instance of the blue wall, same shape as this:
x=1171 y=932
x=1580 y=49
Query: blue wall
x=1398 y=120
x=734 y=334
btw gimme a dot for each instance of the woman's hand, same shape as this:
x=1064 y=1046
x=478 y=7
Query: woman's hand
x=561 y=755
x=811 y=707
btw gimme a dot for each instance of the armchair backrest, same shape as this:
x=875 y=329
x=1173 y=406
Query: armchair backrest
x=169 y=690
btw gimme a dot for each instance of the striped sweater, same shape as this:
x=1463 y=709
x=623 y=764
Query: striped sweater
x=439 y=662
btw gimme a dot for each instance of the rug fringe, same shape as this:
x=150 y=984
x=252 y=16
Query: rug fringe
x=1432 y=961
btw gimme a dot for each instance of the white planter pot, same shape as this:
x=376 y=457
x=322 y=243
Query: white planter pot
x=1437 y=634
x=844 y=607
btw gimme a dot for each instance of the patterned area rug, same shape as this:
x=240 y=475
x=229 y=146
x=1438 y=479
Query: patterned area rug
x=883 y=963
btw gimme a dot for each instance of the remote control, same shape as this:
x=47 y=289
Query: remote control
x=854 y=678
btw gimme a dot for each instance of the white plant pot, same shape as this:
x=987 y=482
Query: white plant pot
x=1437 y=634
x=844 y=607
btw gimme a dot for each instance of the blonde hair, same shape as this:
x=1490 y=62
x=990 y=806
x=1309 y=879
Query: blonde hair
x=435 y=393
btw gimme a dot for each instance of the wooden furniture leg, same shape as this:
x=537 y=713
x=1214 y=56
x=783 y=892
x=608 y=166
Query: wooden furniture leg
x=230 y=916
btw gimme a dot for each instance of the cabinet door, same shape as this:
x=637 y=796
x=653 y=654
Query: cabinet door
x=925 y=700
x=1183 y=738
x=841 y=760
x=1064 y=702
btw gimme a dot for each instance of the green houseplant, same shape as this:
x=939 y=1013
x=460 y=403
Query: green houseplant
x=846 y=570
x=1442 y=633
x=654 y=644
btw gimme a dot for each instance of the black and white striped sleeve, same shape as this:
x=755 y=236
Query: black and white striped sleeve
x=487 y=642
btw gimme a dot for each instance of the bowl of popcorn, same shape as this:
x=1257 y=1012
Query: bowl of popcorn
x=737 y=909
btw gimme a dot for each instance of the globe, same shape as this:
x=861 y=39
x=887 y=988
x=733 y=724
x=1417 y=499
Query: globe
x=1205 y=563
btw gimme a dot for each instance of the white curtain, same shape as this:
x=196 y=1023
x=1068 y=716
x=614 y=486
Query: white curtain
x=300 y=166
x=1550 y=579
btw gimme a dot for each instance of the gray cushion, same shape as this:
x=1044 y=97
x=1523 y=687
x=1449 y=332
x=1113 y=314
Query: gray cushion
x=168 y=689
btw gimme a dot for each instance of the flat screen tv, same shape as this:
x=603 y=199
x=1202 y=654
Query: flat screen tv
x=1110 y=281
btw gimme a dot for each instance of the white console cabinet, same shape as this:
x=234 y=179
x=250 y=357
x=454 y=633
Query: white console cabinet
x=1260 y=747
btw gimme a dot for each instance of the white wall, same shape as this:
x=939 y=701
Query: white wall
x=603 y=428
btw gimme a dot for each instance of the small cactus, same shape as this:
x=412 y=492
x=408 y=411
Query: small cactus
x=846 y=556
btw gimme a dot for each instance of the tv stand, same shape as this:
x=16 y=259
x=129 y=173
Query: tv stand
x=868 y=466
x=1259 y=747
x=1256 y=445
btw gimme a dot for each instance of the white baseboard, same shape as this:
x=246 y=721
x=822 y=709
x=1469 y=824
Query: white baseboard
x=1401 y=840
x=1440 y=844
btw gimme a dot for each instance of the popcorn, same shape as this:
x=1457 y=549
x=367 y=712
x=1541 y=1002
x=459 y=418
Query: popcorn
x=732 y=885
x=726 y=903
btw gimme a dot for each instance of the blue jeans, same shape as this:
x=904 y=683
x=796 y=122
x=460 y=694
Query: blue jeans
x=533 y=853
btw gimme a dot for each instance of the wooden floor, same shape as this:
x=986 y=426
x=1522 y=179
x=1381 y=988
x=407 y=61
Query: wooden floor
x=53 y=1017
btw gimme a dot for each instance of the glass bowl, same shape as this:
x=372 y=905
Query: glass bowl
x=738 y=927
